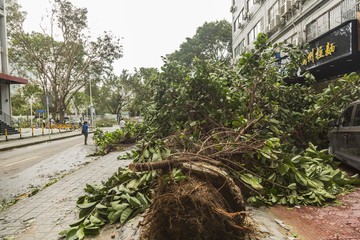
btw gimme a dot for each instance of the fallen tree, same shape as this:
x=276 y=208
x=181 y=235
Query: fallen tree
x=218 y=138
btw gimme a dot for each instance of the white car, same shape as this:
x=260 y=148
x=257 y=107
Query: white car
x=345 y=137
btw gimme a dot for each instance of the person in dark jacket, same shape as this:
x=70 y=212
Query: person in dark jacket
x=85 y=131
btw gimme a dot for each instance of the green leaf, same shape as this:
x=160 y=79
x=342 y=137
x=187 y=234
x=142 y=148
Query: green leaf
x=283 y=168
x=134 y=202
x=77 y=222
x=296 y=159
x=66 y=231
x=300 y=179
x=85 y=212
x=120 y=207
x=125 y=214
x=133 y=184
x=248 y=178
x=100 y=206
x=157 y=156
x=86 y=205
x=146 y=154
x=93 y=232
x=292 y=186
x=95 y=220
x=272 y=177
x=236 y=123
x=80 y=233
x=142 y=198
x=143 y=179
x=71 y=235
x=114 y=216
x=193 y=123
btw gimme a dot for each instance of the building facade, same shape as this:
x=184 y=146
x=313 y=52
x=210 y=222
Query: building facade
x=5 y=78
x=331 y=28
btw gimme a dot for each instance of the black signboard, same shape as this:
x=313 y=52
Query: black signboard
x=333 y=45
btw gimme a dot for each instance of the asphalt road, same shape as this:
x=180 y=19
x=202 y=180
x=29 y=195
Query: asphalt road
x=25 y=169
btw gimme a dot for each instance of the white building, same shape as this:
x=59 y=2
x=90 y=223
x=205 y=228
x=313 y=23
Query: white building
x=329 y=26
x=5 y=79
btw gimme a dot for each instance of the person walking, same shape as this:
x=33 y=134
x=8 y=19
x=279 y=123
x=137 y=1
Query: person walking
x=80 y=122
x=122 y=123
x=85 y=131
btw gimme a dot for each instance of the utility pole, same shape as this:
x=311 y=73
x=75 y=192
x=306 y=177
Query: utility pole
x=47 y=105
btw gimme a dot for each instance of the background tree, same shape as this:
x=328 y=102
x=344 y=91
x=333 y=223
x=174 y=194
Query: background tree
x=212 y=41
x=21 y=99
x=138 y=85
x=64 y=58
x=112 y=97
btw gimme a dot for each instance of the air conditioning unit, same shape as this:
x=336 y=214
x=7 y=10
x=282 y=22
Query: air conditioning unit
x=257 y=1
x=233 y=9
x=240 y=25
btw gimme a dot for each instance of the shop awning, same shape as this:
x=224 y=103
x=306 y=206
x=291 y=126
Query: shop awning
x=11 y=79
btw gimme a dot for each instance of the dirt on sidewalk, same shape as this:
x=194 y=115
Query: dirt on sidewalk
x=339 y=220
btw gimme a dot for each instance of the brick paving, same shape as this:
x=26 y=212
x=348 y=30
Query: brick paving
x=335 y=222
x=51 y=210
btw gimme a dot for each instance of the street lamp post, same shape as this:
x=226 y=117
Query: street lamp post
x=31 y=117
x=91 y=107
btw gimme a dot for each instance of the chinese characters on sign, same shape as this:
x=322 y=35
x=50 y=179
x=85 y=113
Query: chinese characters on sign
x=318 y=53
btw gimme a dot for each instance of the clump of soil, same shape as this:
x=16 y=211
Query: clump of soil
x=194 y=209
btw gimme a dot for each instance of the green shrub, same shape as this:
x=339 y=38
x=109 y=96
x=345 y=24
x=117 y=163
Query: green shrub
x=105 y=122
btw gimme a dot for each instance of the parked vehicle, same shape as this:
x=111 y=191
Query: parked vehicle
x=345 y=137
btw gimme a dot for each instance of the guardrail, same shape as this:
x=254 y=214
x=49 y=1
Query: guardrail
x=39 y=131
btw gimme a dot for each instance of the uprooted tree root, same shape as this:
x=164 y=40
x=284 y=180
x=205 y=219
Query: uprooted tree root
x=206 y=206
x=191 y=210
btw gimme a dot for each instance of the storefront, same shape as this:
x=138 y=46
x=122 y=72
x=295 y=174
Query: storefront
x=334 y=53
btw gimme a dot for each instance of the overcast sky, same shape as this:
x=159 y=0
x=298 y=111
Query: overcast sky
x=149 y=28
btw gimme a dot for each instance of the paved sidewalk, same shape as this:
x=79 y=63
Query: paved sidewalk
x=51 y=210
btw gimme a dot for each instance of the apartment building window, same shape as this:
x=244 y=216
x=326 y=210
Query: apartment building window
x=347 y=10
x=311 y=31
x=236 y=23
x=335 y=16
x=238 y=20
x=341 y=13
x=239 y=48
x=241 y=15
x=254 y=32
x=323 y=24
x=273 y=12
x=250 y=4
x=293 y=39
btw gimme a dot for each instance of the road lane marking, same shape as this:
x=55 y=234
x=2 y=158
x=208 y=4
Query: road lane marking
x=20 y=161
